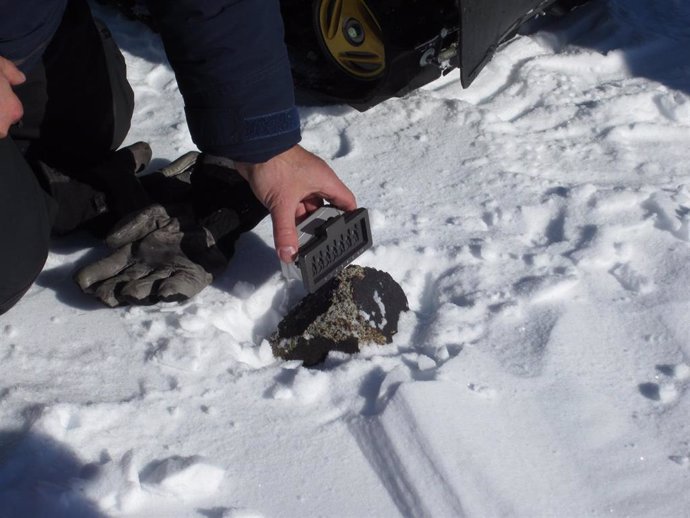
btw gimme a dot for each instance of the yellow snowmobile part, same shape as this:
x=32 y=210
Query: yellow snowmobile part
x=352 y=36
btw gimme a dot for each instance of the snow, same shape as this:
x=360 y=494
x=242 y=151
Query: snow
x=538 y=224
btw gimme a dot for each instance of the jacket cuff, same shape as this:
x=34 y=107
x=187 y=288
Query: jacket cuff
x=254 y=139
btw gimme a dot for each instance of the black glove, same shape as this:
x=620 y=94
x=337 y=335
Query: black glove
x=95 y=198
x=172 y=253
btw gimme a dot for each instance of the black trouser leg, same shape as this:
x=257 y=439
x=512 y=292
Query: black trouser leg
x=24 y=225
x=78 y=104
x=77 y=110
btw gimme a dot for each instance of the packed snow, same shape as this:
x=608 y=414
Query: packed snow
x=539 y=224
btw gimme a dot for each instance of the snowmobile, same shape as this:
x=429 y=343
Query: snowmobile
x=362 y=52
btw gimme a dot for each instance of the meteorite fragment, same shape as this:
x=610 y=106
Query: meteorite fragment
x=360 y=306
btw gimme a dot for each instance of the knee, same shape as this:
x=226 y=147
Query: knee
x=25 y=232
x=24 y=260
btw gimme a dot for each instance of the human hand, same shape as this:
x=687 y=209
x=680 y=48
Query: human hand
x=11 y=109
x=292 y=185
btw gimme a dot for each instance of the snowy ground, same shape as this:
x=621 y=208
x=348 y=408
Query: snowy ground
x=539 y=224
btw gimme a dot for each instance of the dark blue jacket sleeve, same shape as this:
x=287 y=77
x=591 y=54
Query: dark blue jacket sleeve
x=232 y=68
x=26 y=28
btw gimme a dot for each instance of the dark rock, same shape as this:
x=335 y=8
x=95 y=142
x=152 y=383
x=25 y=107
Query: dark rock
x=360 y=306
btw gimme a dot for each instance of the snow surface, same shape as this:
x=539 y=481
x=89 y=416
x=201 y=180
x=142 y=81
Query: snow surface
x=539 y=224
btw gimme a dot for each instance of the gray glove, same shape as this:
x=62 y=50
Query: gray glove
x=160 y=256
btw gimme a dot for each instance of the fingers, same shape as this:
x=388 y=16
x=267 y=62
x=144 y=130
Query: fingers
x=175 y=282
x=153 y=266
x=288 y=210
x=307 y=207
x=137 y=226
x=328 y=186
x=291 y=185
x=11 y=109
x=187 y=281
x=285 y=230
x=142 y=284
x=11 y=72
x=144 y=291
x=106 y=268
x=110 y=291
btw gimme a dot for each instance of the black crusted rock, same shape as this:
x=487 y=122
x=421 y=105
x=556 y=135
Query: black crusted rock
x=360 y=306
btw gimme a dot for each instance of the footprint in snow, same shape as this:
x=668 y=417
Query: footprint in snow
x=482 y=391
x=229 y=512
x=520 y=341
x=671 y=212
x=671 y=388
x=664 y=393
x=345 y=147
x=545 y=288
x=682 y=460
x=10 y=331
x=182 y=477
x=304 y=386
x=631 y=280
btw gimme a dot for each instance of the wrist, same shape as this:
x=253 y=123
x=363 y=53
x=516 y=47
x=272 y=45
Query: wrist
x=246 y=169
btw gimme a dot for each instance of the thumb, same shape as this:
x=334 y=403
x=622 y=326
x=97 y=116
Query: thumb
x=284 y=231
x=11 y=72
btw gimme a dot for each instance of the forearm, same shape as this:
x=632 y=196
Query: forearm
x=233 y=71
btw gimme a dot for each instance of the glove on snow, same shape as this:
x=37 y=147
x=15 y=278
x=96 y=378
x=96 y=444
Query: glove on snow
x=171 y=254
x=159 y=257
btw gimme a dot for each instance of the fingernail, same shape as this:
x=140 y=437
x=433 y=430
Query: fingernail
x=286 y=253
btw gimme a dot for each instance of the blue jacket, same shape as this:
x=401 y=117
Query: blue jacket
x=229 y=58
